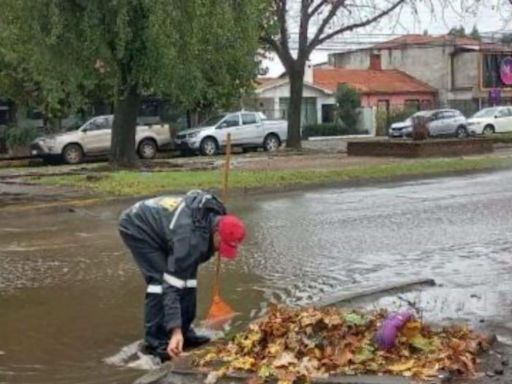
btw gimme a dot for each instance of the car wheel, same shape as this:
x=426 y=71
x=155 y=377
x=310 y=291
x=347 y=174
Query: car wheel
x=73 y=154
x=147 y=149
x=488 y=130
x=271 y=143
x=461 y=133
x=209 y=147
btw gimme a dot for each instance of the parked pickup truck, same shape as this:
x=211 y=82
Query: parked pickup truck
x=93 y=138
x=248 y=130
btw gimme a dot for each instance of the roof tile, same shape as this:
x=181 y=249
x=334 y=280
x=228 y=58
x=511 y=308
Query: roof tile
x=370 y=81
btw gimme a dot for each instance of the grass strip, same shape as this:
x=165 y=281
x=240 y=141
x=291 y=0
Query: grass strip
x=135 y=183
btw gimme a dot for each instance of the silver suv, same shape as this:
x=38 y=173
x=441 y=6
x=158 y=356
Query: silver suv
x=441 y=122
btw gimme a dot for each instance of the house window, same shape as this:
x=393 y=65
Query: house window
x=426 y=104
x=328 y=111
x=412 y=105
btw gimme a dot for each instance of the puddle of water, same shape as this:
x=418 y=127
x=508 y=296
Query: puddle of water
x=70 y=294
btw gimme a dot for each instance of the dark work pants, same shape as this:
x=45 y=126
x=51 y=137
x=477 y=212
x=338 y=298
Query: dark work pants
x=152 y=263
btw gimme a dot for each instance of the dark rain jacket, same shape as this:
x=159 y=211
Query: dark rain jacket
x=182 y=229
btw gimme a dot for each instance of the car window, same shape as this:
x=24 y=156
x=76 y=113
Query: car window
x=486 y=112
x=248 y=118
x=448 y=115
x=100 y=123
x=502 y=112
x=436 y=116
x=212 y=121
x=231 y=121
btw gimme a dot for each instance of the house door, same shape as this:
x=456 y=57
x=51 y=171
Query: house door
x=308 y=113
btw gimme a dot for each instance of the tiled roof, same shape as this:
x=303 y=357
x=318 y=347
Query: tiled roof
x=369 y=81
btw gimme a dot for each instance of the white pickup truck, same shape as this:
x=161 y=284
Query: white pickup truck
x=94 y=138
x=248 y=130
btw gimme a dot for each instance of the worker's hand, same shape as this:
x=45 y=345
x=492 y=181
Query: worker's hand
x=175 y=347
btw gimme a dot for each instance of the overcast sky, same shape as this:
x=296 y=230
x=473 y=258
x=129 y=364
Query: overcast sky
x=486 y=19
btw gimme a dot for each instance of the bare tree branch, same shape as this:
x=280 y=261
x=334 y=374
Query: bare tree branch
x=319 y=6
x=320 y=40
x=335 y=7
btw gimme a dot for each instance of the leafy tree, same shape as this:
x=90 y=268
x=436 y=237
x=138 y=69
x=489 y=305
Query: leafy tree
x=457 y=31
x=475 y=33
x=348 y=101
x=184 y=50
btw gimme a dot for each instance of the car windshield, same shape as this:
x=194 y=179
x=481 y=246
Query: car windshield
x=212 y=121
x=488 y=112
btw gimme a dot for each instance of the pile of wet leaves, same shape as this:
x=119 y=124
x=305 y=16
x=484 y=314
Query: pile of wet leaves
x=292 y=344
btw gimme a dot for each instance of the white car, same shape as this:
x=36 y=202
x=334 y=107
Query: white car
x=491 y=120
x=94 y=138
x=440 y=122
x=248 y=130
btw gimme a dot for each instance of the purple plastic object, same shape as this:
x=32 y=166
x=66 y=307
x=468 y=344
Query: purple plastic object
x=386 y=335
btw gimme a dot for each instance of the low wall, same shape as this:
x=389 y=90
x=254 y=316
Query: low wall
x=427 y=148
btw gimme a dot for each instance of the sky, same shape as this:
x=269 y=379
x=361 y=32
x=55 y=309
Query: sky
x=486 y=18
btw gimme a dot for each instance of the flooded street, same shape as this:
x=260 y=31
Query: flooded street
x=70 y=294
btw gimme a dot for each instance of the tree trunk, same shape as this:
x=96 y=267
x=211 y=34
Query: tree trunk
x=123 y=151
x=296 y=77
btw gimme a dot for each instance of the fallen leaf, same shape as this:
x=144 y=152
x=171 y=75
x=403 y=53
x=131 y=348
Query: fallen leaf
x=285 y=360
x=344 y=357
x=401 y=367
x=244 y=363
x=423 y=344
x=365 y=353
x=354 y=319
x=411 y=329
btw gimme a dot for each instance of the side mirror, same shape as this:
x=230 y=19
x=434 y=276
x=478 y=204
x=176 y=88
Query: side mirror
x=223 y=125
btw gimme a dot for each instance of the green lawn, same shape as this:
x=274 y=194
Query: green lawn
x=133 y=183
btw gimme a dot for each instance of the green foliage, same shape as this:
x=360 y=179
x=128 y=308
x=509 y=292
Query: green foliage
x=457 y=31
x=328 y=129
x=20 y=136
x=475 y=33
x=348 y=101
x=395 y=115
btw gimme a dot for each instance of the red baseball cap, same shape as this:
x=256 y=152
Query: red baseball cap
x=232 y=232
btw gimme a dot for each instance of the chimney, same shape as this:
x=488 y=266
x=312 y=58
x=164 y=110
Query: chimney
x=308 y=72
x=375 y=62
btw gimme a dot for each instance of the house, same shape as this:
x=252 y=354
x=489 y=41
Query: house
x=378 y=88
x=463 y=70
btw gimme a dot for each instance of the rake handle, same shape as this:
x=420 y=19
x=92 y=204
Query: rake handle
x=216 y=288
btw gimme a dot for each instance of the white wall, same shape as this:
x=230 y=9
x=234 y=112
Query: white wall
x=283 y=91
